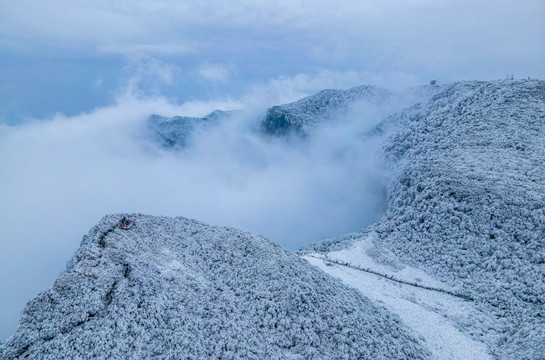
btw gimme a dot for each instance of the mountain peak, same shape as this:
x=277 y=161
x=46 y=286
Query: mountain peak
x=158 y=287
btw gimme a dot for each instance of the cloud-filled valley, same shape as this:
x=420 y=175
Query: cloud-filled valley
x=62 y=174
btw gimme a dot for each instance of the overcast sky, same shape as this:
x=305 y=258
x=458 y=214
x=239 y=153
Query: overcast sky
x=70 y=56
x=77 y=77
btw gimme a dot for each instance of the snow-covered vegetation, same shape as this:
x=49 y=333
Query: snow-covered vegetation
x=171 y=288
x=442 y=319
x=466 y=203
x=454 y=269
x=301 y=116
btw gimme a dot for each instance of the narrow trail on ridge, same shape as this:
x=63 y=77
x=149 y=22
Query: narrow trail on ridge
x=442 y=319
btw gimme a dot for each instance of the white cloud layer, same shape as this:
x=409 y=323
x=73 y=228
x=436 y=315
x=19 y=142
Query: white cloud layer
x=61 y=175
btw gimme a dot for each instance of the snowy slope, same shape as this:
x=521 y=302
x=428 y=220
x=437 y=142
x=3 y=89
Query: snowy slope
x=300 y=116
x=442 y=321
x=171 y=288
x=466 y=204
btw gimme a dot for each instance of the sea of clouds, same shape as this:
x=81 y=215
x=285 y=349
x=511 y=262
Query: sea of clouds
x=61 y=174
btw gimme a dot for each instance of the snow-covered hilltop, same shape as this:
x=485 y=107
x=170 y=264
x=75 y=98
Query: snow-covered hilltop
x=466 y=203
x=298 y=117
x=171 y=288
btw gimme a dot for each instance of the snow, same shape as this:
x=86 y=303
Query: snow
x=173 y=288
x=421 y=310
x=466 y=204
x=435 y=317
x=301 y=116
x=177 y=132
x=363 y=253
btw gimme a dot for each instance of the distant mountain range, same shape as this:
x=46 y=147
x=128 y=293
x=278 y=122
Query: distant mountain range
x=301 y=116
x=297 y=118
x=455 y=269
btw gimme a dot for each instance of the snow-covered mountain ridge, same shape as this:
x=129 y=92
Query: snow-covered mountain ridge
x=300 y=116
x=466 y=203
x=171 y=288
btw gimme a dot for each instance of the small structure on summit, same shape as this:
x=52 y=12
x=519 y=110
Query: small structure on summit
x=125 y=223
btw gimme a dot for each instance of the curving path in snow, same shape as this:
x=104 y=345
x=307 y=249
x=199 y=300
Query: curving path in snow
x=449 y=326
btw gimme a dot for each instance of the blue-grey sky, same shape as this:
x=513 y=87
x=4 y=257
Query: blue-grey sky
x=79 y=77
x=71 y=56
